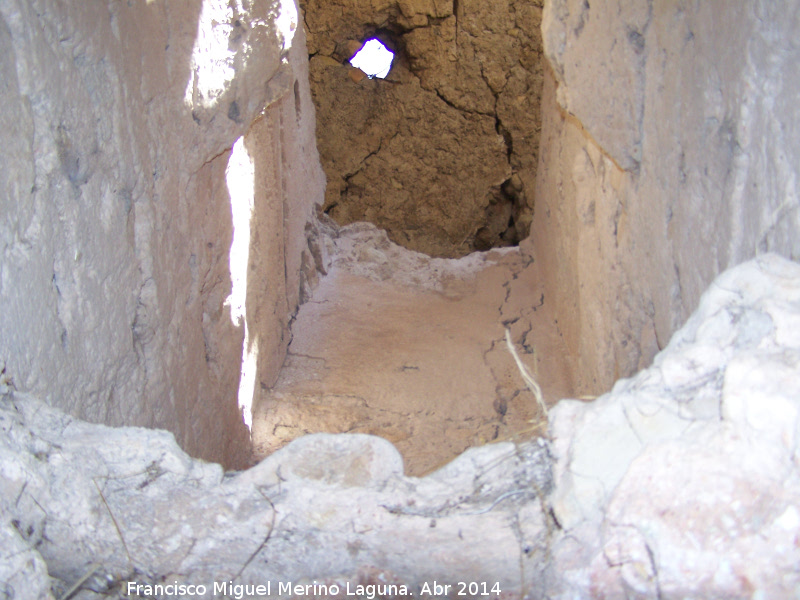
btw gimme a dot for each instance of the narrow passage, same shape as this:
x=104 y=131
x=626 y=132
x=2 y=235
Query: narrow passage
x=409 y=348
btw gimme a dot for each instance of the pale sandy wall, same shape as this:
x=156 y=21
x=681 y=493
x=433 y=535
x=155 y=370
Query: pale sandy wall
x=670 y=154
x=289 y=183
x=116 y=226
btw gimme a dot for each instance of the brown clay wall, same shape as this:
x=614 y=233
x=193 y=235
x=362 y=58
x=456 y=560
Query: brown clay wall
x=442 y=154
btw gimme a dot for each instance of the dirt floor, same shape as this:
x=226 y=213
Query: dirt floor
x=396 y=344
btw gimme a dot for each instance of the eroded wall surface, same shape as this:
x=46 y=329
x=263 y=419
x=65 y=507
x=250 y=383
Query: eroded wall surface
x=443 y=153
x=117 y=122
x=669 y=154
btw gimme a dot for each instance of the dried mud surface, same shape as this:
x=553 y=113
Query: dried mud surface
x=443 y=153
x=396 y=344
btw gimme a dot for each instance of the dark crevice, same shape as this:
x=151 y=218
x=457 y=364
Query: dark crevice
x=507 y=137
x=455 y=16
x=364 y=160
x=446 y=101
x=501 y=219
x=462 y=109
x=302 y=6
x=348 y=189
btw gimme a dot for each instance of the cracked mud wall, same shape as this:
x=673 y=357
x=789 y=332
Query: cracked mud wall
x=117 y=216
x=443 y=153
x=668 y=155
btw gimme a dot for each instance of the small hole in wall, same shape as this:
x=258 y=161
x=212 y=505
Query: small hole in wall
x=374 y=59
x=501 y=228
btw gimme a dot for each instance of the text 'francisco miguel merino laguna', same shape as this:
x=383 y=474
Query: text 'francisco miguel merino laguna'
x=240 y=590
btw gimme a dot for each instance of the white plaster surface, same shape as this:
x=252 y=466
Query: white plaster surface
x=684 y=480
x=327 y=508
x=116 y=124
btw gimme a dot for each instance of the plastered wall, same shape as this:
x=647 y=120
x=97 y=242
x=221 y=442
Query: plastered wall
x=117 y=123
x=669 y=153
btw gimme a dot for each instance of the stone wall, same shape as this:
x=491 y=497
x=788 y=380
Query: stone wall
x=117 y=124
x=442 y=154
x=683 y=481
x=669 y=154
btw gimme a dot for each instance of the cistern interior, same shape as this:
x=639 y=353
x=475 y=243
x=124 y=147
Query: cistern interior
x=518 y=310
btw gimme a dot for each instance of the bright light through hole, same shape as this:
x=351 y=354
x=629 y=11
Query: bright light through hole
x=240 y=177
x=374 y=59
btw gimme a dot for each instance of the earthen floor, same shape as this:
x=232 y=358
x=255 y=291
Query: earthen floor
x=412 y=349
